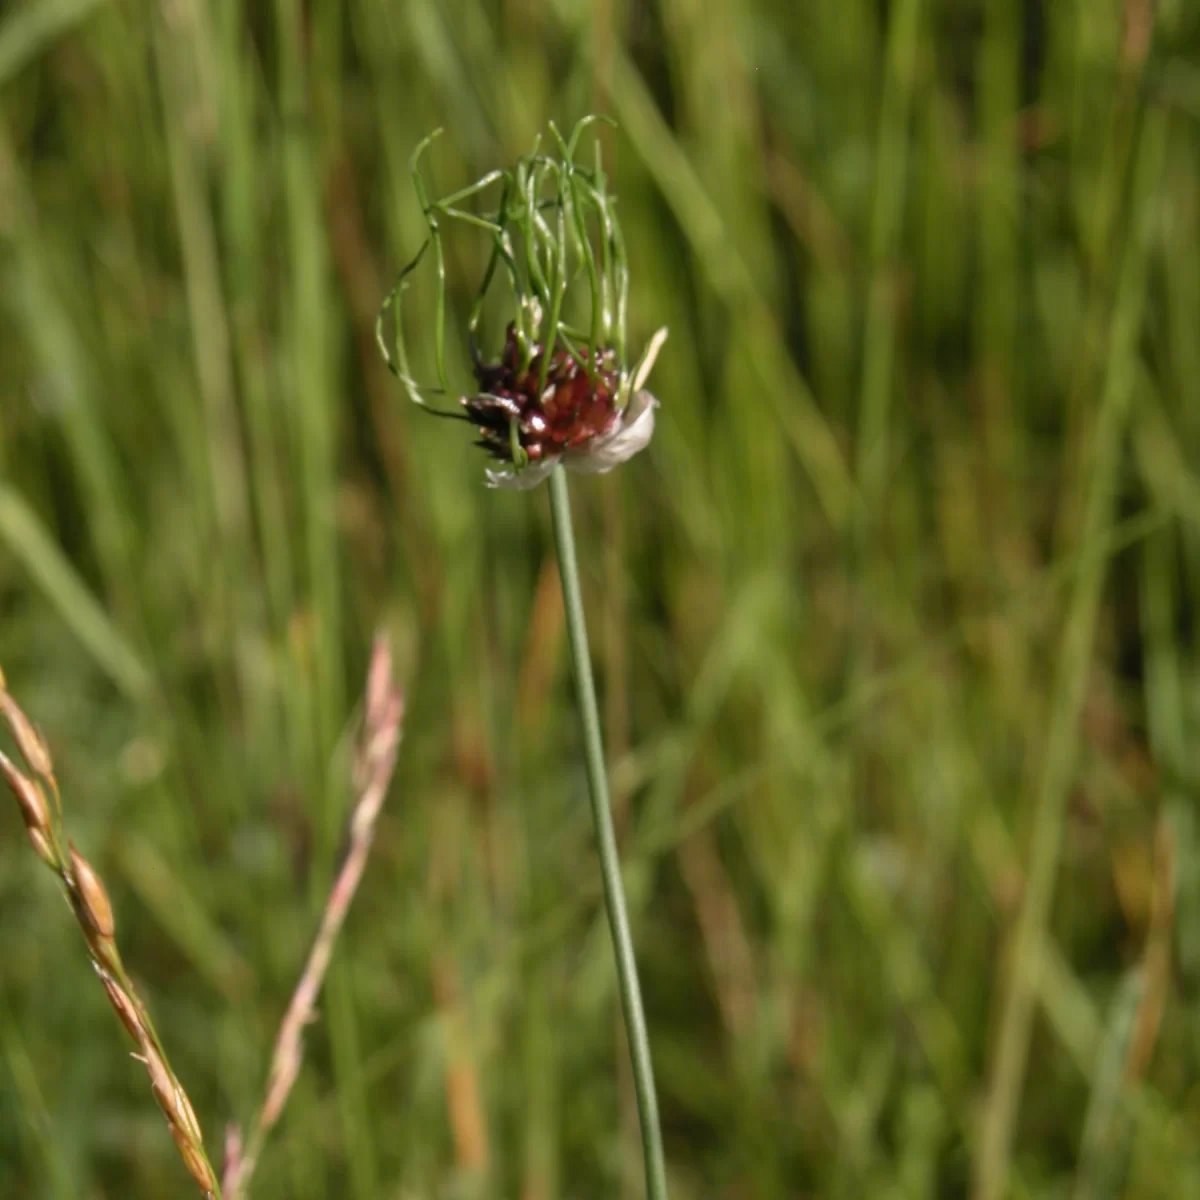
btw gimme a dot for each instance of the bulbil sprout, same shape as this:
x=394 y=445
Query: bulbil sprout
x=555 y=393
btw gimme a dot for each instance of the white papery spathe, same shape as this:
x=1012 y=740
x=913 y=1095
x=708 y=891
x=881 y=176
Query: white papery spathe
x=631 y=432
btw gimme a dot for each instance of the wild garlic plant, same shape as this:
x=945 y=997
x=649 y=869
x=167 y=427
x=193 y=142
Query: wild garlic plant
x=561 y=394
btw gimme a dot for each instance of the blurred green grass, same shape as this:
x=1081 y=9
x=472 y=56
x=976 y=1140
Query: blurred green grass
x=896 y=621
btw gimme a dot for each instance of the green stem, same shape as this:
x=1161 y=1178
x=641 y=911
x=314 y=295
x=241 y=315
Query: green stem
x=606 y=841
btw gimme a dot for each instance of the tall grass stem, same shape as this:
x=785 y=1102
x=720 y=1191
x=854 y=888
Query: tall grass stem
x=606 y=840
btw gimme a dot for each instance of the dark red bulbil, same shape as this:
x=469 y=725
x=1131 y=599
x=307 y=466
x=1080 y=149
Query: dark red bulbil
x=574 y=407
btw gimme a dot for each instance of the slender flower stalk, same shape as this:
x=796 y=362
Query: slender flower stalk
x=606 y=840
x=93 y=911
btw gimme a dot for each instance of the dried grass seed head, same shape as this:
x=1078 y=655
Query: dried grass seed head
x=92 y=896
x=31 y=799
x=29 y=741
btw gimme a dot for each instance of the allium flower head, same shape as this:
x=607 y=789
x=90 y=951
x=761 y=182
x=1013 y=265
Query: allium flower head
x=557 y=392
x=575 y=417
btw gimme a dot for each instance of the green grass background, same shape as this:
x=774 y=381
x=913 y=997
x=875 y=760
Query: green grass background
x=895 y=622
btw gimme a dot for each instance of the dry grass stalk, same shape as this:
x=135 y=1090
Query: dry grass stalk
x=373 y=766
x=89 y=902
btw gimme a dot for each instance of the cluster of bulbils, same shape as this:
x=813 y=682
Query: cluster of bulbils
x=577 y=417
